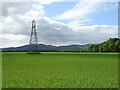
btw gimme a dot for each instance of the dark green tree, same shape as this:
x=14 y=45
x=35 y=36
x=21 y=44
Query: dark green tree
x=117 y=46
x=111 y=45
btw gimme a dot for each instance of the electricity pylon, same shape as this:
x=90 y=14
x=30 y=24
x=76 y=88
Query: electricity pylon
x=33 y=43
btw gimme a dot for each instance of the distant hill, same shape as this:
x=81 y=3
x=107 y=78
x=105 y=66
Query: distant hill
x=43 y=47
x=111 y=45
x=74 y=47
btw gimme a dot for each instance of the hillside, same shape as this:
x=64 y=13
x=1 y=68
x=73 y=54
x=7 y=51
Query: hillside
x=111 y=45
x=42 y=47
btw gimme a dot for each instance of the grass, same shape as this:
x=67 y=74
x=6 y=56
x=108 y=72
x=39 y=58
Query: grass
x=60 y=70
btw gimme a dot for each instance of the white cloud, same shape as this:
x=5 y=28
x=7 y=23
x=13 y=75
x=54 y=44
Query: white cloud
x=77 y=23
x=50 y=1
x=13 y=37
x=11 y=10
x=83 y=9
x=15 y=30
x=15 y=23
x=39 y=1
x=61 y=34
x=36 y=12
x=79 y=10
x=10 y=40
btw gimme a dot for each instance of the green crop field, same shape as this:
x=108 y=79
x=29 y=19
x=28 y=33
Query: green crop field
x=60 y=70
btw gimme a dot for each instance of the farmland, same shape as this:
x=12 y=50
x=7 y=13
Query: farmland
x=60 y=70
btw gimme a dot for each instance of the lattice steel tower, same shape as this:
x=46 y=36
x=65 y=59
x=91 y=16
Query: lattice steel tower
x=33 y=43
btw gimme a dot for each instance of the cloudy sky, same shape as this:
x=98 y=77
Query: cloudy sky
x=59 y=23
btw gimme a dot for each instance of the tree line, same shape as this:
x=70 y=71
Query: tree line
x=111 y=45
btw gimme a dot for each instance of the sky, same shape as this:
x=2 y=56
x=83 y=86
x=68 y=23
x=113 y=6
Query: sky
x=59 y=23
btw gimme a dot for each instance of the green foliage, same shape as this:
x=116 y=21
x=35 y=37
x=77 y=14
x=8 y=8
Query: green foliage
x=117 y=46
x=60 y=70
x=111 y=45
